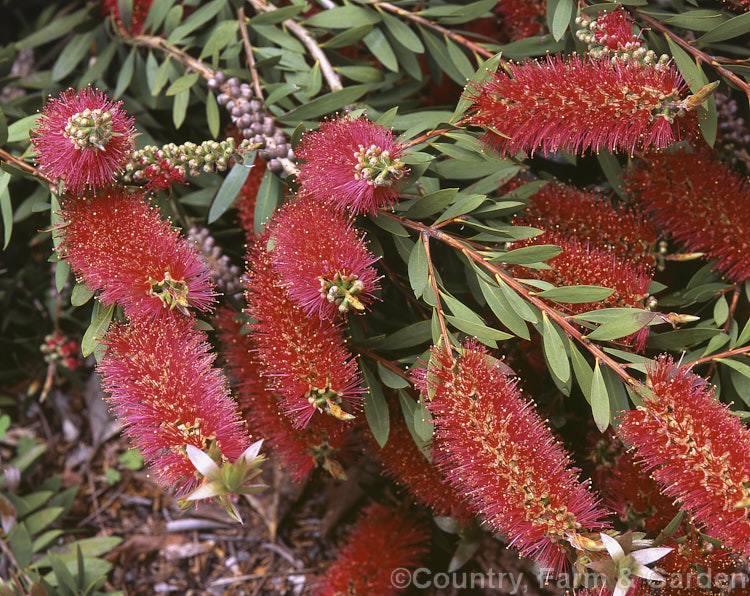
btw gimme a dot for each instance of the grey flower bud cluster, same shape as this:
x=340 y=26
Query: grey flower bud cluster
x=226 y=276
x=734 y=137
x=254 y=123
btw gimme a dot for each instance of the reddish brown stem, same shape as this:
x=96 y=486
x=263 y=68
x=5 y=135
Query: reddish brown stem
x=389 y=364
x=249 y=53
x=524 y=292
x=433 y=281
x=28 y=168
x=727 y=354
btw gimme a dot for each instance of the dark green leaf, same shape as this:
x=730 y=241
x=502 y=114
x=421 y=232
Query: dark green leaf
x=612 y=170
x=184 y=83
x=391 y=379
x=680 y=339
x=270 y=193
x=376 y=407
x=439 y=52
x=156 y=14
x=204 y=14
x=229 y=190
x=553 y=342
x=19 y=130
x=3 y=128
x=36 y=522
x=19 y=541
x=347 y=38
x=408 y=337
x=599 y=399
x=431 y=203
x=530 y=254
x=582 y=370
x=57 y=28
x=497 y=301
x=423 y=425
x=697 y=20
x=179 y=107
x=71 y=55
x=378 y=45
x=126 y=74
x=389 y=225
x=459 y=59
x=62 y=272
x=403 y=33
x=483 y=73
x=734 y=27
x=100 y=65
x=623 y=325
x=563 y=12
x=212 y=115
x=280 y=14
x=100 y=319
x=80 y=294
x=479 y=330
x=408 y=409
x=577 y=294
x=462 y=206
x=325 y=104
x=418 y=270
x=344 y=17
x=6 y=208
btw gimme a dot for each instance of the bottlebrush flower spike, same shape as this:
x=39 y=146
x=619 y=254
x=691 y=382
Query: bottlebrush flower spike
x=298 y=451
x=322 y=259
x=117 y=243
x=581 y=264
x=495 y=449
x=590 y=217
x=382 y=541
x=247 y=197
x=138 y=17
x=522 y=18
x=404 y=463
x=578 y=104
x=351 y=163
x=304 y=358
x=682 y=191
x=696 y=450
x=83 y=138
x=167 y=395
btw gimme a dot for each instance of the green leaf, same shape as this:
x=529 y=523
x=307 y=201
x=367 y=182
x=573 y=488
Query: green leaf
x=408 y=337
x=744 y=336
x=459 y=59
x=499 y=305
x=518 y=304
x=612 y=170
x=623 y=326
x=423 y=425
x=389 y=225
x=38 y=521
x=156 y=14
x=90 y=547
x=179 y=107
x=80 y=294
x=408 y=409
x=3 y=128
x=681 y=338
x=270 y=194
x=418 y=269
x=482 y=74
x=57 y=28
x=100 y=65
x=376 y=407
x=478 y=330
x=697 y=20
x=439 y=52
x=734 y=27
x=212 y=115
x=280 y=14
x=347 y=38
x=391 y=379
x=530 y=254
x=577 y=294
x=378 y=45
x=561 y=16
x=126 y=74
x=19 y=130
x=184 y=83
x=204 y=14
x=325 y=104
x=721 y=311
x=6 y=208
x=62 y=272
x=431 y=203
x=553 y=342
x=403 y=33
x=599 y=399
x=19 y=541
x=71 y=55
x=462 y=206
x=582 y=370
x=343 y=17
x=100 y=319
x=229 y=190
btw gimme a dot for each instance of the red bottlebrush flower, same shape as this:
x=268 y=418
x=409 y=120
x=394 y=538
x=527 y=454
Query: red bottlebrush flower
x=610 y=32
x=304 y=358
x=696 y=567
x=117 y=243
x=497 y=452
x=138 y=17
x=351 y=163
x=683 y=191
x=167 y=395
x=298 y=451
x=576 y=104
x=522 y=18
x=382 y=541
x=83 y=138
x=581 y=264
x=590 y=217
x=245 y=201
x=626 y=489
x=404 y=463
x=696 y=450
x=321 y=259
